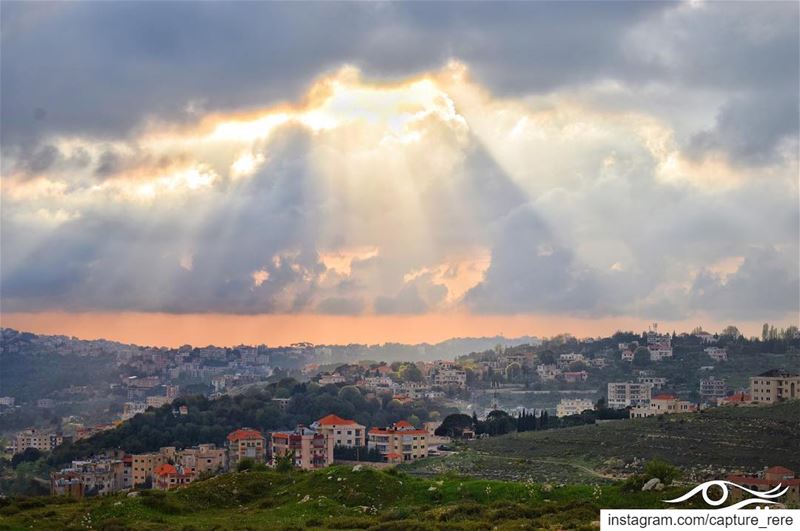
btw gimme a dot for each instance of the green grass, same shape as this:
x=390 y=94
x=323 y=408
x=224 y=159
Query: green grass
x=709 y=442
x=334 y=498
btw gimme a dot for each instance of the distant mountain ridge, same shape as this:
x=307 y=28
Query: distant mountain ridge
x=455 y=344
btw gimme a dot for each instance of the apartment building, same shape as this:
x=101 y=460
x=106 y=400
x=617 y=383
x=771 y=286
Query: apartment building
x=246 y=443
x=774 y=386
x=342 y=432
x=713 y=388
x=144 y=465
x=573 y=406
x=34 y=438
x=624 y=394
x=203 y=459
x=96 y=477
x=399 y=442
x=450 y=376
x=307 y=448
x=655 y=382
x=661 y=405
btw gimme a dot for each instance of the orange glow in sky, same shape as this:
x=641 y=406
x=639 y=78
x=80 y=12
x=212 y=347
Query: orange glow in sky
x=157 y=329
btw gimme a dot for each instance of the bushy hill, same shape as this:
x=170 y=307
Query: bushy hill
x=209 y=421
x=748 y=438
x=333 y=498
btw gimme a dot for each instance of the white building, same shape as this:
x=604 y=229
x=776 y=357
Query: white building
x=660 y=353
x=573 y=406
x=713 y=388
x=663 y=404
x=452 y=376
x=37 y=439
x=624 y=394
x=653 y=381
x=716 y=353
x=548 y=372
x=332 y=378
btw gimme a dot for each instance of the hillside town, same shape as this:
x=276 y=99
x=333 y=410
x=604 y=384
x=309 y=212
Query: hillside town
x=559 y=383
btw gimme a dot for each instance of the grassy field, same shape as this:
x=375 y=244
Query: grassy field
x=334 y=498
x=713 y=441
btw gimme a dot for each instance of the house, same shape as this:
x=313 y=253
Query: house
x=735 y=399
x=400 y=442
x=705 y=337
x=663 y=404
x=573 y=377
x=246 y=443
x=774 y=386
x=627 y=355
x=169 y=477
x=776 y=476
x=331 y=379
x=547 y=372
x=573 y=406
x=624 y=394
x=342 y=432
x=307 y=448
x=157 y=401
x=716 y=353
x=282 y=403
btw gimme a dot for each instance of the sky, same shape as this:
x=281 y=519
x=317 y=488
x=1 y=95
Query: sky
x=331 y=172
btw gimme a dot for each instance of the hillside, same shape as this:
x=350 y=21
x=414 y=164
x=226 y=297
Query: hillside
x=334 y=498
x=747 y=438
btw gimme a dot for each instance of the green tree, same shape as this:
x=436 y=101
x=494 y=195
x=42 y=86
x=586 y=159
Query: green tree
x=641 y=357
x=411 y=373
x=547 y=357
x=731 y=332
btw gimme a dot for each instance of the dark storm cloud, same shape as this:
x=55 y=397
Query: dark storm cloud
x=99 y=68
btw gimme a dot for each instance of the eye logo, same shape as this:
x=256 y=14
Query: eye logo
x=760 y=497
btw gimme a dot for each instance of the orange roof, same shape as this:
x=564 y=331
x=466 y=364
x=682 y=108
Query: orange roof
x=331 y=420
x=780 y=470
x=392 y=431
x=665 y=396
x=166 y=469
x=749 y=480
x=244 y=434
x=738 y=397
x=403 y=424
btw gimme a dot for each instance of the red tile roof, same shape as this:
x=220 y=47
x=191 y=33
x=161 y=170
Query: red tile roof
x=332 y=420
x=748 y=480
x=738 y=397
x=403 y=424
x=782 y=470
x=166 y=469
x=665 y=396
x=244 y=434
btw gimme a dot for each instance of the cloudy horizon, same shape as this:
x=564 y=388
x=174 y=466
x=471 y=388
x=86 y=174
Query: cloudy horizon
x=348 y=170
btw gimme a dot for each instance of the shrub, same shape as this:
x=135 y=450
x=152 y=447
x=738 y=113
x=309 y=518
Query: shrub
x=656 y=468
x=245 y=464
